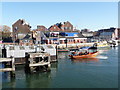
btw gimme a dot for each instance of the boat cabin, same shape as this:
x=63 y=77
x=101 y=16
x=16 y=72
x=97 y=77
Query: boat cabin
x=85 y=51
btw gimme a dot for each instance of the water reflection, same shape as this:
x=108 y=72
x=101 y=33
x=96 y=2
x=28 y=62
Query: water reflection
x=40 y=80
x=34 y=80
x=85 y=60
x=6 y=78
x=62 y=55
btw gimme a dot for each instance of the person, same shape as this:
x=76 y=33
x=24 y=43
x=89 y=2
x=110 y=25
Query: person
x=86 y=52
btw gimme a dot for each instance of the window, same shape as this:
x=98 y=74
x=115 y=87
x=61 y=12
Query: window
x=65 y=28
x=61 y=41
x=54 y=27
x=62 y=27
x=26 y=41
x=70 y=28
x=49 y=46
x=16 y=28
x=31 y=47
x=11 y=48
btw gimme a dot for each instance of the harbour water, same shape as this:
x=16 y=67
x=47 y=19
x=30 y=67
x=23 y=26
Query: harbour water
x=101 y=72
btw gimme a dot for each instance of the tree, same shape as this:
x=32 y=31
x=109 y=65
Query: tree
x=0 y=33
x=5 y=31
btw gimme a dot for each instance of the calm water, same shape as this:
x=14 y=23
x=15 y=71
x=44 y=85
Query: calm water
x=101 y=72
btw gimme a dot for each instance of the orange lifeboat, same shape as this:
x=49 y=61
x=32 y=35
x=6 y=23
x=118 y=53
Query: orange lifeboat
x=90 y=55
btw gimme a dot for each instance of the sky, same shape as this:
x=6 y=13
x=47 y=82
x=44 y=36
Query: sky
x=90 y=15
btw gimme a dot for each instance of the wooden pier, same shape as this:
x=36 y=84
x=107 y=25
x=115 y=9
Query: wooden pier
x=9 y=65
x=39 y=61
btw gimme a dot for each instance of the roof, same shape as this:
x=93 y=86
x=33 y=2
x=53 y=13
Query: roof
x=27 y=37
x=51 y=28
x=107 y=30
x=80 y=35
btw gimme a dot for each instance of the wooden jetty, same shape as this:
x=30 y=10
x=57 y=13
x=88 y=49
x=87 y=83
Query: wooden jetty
x=9 y=65
x=39 y=61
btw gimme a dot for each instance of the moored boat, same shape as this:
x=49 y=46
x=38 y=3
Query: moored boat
x=113 y=43
x=103 y=44
x=62 y=50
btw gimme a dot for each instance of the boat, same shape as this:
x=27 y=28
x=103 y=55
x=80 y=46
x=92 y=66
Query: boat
x=88 y=52
x=62 y=50
x=103 y=44
x=74 y=50
x=113 y=43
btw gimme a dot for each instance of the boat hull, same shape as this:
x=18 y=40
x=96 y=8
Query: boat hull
x=84 y=56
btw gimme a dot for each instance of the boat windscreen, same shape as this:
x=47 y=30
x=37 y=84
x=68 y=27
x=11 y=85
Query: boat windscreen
x=92 y=48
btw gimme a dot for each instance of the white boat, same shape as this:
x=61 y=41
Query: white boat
x=113 y=43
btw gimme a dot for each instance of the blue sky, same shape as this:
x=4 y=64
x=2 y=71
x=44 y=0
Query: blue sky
x=91 y=15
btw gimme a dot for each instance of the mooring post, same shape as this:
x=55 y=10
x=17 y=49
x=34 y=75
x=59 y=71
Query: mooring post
x=27 y=68
x=4 y=52
x=56 y=53
x=12 y=65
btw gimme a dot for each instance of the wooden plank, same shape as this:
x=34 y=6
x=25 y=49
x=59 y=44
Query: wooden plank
x=6 y=69
x=5 y=59
x=39 y=64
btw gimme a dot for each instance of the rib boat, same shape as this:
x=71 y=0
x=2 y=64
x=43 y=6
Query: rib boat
x=89 y=52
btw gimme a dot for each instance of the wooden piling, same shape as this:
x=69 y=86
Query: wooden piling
x=37 y=62
x=8 y=68
x=56 y=52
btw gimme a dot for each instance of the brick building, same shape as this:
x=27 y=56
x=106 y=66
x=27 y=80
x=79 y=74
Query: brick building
x=60 y=32
x=54 y=28
x=67 y=26
x=41 y=28
x=20 y=29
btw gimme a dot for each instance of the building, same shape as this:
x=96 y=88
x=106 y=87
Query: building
x=20 y=29
x=66 y=26
x=27 y=40
x=61 y=33
x=54 y=28
x=87 y=34
x=0 y=34
x=39 y=37
x=119 y=33
x=41 y=28
x=71 y=38
x=109 y=34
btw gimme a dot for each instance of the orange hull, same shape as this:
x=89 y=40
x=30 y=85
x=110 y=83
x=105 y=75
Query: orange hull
x=84 y=56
